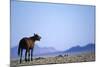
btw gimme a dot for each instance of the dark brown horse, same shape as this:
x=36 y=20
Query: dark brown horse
x=28 y=44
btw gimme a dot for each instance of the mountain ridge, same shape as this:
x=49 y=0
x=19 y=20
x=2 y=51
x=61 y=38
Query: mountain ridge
x=38 y=51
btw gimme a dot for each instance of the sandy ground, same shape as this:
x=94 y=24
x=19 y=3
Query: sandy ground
x=84 y=57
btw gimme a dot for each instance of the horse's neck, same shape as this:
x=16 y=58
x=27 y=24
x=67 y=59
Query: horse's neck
x=33 y=40
x=30 y=42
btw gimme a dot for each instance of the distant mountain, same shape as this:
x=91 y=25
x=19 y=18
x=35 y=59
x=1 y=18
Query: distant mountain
x=37 y=51
x=43 y=50
x=13 y=52
x=87 y=48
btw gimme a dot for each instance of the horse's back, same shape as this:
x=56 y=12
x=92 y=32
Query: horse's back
x=26 y=43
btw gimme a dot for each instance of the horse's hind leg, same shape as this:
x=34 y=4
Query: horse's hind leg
x=26 y=56
x=21 y=56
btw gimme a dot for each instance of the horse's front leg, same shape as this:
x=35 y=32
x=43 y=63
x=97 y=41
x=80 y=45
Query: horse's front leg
x=32 y=54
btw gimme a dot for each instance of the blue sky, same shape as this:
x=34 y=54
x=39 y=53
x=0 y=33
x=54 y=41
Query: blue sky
x=61 y=26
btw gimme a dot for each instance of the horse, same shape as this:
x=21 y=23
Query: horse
x=28 y=44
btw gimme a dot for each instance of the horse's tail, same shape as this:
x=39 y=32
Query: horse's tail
x=19 y=50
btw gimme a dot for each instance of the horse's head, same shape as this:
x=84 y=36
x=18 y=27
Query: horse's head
x=36 y=37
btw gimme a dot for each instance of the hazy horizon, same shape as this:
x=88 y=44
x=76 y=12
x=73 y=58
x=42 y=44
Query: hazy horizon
x=61 y=26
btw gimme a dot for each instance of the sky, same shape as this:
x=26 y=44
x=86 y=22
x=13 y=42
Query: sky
x=61 y=26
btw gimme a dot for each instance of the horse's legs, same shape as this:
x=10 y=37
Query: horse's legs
x=26 y=55
x=32 y=54
x=21 y=55
x=29 y=55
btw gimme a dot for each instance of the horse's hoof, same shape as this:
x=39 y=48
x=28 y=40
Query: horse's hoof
x=26 y=60
x=31 y=59
x=20 y=62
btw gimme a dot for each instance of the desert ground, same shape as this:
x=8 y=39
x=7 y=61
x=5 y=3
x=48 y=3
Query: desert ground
x=83 y=57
